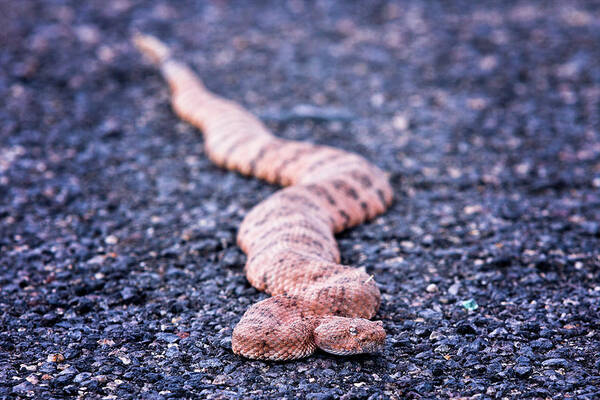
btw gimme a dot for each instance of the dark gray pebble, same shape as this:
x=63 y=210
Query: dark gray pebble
x=466 y=329
x=555 y=363
x=522 y=370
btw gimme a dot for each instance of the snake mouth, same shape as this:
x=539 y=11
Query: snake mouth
x=366 y=349
x=340 y=352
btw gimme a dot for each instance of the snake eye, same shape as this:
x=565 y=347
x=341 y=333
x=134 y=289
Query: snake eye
x=353 y=331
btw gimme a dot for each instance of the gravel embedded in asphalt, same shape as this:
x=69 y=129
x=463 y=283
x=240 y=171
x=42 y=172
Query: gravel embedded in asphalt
x=119 y=272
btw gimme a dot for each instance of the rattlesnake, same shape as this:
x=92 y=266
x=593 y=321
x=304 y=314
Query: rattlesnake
x=289 y=237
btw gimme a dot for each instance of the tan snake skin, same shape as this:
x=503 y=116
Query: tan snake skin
x=289 y=237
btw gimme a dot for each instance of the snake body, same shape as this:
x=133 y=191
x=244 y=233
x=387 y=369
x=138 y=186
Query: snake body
x=289 y=237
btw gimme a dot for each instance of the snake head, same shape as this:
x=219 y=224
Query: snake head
x=346 y=336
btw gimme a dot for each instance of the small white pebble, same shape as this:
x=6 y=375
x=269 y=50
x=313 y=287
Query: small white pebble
x=125 y=360
x=432 y=288
x=435 y=336
x=523 y=168
x=407 y=244
x=473 y=209
x=488 y=63
x=377 y=100
x=400 y=122
x=112 y=239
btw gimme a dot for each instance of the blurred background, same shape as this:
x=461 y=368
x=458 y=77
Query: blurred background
x=119 y=273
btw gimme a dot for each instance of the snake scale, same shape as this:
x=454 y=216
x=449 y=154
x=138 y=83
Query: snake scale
x=289 y=237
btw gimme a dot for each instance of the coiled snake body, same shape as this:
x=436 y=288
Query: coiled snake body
x=289 y=237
